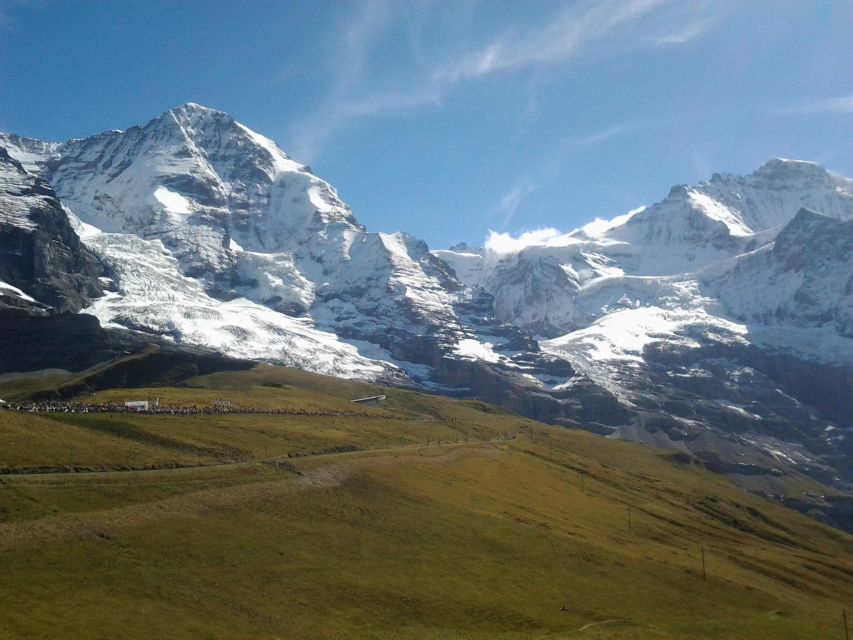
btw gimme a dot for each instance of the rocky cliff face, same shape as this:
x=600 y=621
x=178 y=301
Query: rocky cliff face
x=804 y=279
x=716 y=322
x=40 y=254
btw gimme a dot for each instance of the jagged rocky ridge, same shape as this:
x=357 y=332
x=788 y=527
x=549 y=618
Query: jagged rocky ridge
x=715 y=322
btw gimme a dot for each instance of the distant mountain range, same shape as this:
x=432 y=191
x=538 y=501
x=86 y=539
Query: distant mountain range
x=717 y=322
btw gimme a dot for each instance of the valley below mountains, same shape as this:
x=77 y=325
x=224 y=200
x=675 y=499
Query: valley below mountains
x=716 y=323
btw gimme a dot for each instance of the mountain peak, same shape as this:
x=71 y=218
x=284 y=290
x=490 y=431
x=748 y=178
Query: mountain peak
x=786 y=169
x=195 y=107
x=194 y=113
x=809 y=221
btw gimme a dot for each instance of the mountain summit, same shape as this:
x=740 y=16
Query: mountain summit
x=716 y=321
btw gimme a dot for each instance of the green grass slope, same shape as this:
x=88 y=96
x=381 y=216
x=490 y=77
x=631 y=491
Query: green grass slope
x=354 y=522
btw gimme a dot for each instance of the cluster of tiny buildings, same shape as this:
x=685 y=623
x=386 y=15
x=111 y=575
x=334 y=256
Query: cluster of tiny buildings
x=221 y=405
x=145 y=406
x=137 y=406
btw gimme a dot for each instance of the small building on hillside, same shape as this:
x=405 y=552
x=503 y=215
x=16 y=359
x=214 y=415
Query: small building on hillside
x=135 y=406
x=369 y=400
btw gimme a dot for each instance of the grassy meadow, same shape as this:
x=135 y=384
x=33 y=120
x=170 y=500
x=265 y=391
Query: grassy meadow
x=420 y=518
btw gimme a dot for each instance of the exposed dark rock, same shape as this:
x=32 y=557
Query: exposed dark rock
x=63 y=340
x=44 y=258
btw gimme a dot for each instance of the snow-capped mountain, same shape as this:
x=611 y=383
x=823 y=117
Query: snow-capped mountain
x=213 y=236
x=718 y=321
x=719 y=317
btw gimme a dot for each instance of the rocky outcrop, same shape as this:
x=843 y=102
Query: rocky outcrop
x=65 y=340
x=40 y=253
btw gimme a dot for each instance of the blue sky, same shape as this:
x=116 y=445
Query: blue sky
x=452 y=118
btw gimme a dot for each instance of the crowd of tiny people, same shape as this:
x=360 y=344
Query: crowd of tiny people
x=54 y=406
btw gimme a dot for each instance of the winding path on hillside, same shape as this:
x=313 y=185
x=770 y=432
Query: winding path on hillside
x=103 y=523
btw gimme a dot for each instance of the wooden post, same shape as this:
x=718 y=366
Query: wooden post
x=71 y=457
x=704 y=573
x=846 y=632
x=130 y=458
x=630 y=530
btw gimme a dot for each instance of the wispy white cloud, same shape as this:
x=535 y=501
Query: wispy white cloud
x=353 y=45
x=572 y=32
x=685 y=34
x=546 y=171
x=313 y=134
x=598 y=136
x=513 y=198
x=553 y=42
x=838 y=105
x=347 y=99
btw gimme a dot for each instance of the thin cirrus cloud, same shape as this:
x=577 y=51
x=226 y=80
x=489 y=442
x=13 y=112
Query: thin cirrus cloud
x=834 y=105
x=555 y=41
x=513 y=198
x=598 y=136
x=574 y=31
x=686 y=34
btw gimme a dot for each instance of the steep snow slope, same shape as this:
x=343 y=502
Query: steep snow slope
x=152 y=295
x=771 y=196
x=804 y=278
x=242 y=221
